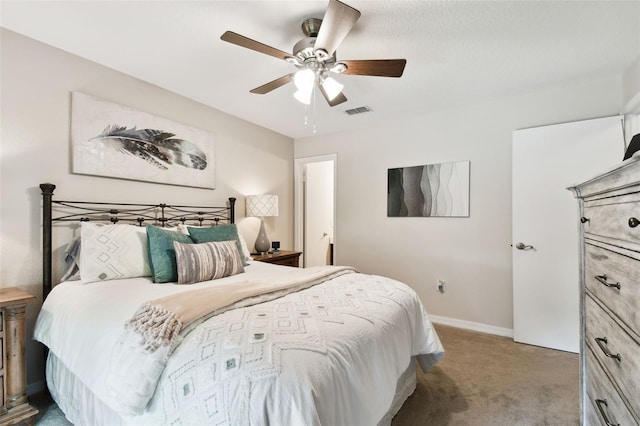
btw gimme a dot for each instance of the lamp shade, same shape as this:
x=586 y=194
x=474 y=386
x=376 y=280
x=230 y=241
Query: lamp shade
x=262 y=205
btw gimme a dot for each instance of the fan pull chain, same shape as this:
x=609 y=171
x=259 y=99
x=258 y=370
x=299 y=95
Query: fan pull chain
x=314 y=110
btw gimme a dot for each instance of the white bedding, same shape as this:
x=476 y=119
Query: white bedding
x=331 y=354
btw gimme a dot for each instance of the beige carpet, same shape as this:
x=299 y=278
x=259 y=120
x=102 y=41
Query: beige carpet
x=490 y=380
x=483 y=380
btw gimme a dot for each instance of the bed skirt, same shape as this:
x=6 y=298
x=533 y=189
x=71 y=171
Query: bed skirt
x=81 y=407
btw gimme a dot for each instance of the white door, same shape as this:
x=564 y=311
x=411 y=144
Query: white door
x=546 y=161
x=318 y=213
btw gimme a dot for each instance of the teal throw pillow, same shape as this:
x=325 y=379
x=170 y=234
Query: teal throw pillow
x=162 y=255
x=217 y=233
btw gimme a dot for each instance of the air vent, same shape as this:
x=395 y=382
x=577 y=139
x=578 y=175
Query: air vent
x=358 y=110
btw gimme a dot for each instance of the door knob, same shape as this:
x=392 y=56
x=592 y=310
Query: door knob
x=522 y=246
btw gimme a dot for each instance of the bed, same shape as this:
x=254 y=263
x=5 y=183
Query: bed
x=230 y=341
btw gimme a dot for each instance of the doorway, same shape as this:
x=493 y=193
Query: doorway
x=315 y=192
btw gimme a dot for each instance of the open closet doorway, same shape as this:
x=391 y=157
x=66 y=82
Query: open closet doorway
x=315 y=191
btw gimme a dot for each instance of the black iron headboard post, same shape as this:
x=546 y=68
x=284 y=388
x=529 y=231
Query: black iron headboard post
x=232 y=210
x=47 y=195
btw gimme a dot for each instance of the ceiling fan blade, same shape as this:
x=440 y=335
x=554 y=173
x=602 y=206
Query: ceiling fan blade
x=243 y=41
x=376 y=67
x=336 y=24
x=272 y=85
x=336 y=101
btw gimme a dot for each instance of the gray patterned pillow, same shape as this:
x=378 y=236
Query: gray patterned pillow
x=207 y=261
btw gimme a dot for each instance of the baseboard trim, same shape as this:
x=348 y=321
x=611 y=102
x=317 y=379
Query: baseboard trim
x=470 y=325
x=37 y=387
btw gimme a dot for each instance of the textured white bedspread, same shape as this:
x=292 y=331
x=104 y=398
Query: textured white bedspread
x=331 y=354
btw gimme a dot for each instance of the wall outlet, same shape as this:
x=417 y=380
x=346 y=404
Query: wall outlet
x=440 y=286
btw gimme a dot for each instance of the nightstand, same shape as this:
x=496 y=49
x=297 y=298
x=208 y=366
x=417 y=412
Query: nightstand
x=15 y=408
x=283 y=257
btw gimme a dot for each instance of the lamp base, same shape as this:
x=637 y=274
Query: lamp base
x=262 y=244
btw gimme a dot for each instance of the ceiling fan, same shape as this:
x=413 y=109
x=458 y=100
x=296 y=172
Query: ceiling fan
x=315 y=56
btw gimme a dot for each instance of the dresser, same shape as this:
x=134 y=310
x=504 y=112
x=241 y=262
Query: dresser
x=610 y=295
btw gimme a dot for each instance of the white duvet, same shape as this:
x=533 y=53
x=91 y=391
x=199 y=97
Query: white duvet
x=331 y=354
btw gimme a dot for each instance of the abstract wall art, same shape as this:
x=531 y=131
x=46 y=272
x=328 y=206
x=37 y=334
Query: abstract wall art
x=112 y=140
x=431 y=190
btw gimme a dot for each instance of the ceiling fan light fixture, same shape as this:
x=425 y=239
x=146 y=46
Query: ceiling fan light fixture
x=338 y=67
x=332 y=87
x=304 y=79
x=303 y=96
x=293 y=60
x=321 y=55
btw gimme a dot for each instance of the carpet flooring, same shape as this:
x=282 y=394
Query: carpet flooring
x=483 y=380
x=491 y=380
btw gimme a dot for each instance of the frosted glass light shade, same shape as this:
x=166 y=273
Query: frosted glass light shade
x=332 y=87
x=302 y=96
x=304 y=79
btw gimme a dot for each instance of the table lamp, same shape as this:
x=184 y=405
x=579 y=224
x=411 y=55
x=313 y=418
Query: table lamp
x=261 y=206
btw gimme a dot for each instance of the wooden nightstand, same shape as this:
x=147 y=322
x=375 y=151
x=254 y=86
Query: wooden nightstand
x=15 y=408
x=283 y=257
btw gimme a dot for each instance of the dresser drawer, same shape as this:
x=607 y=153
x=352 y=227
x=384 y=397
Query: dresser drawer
x=618 y=269
x=612 y=219
x=624 y=371
x=292 y=261
x=599 y=389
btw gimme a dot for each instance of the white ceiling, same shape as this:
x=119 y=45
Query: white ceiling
x=458 y=52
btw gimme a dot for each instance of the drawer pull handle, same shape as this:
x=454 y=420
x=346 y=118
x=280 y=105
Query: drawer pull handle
x=584 y=219
x=599 y=404
x=603 y=280
x=602 y=342
x=633 y=222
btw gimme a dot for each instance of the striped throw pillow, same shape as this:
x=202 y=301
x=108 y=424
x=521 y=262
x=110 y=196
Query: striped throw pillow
x=207 y=261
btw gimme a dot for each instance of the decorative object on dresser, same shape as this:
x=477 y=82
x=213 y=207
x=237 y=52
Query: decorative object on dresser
x=15 y=407
x=261 y=206
x=610 y=295
x=116 y=141
x=282 y=257
x=634 y=146
x=275 y=247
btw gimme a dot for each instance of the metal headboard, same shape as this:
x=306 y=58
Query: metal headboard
x=55 y=211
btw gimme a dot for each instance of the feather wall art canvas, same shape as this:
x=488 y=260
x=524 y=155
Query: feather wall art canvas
x=429 y=190
x=119 y=142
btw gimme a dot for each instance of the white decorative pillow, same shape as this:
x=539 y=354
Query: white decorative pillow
x=181 y=228
x=111 y=252
x=207 y=261
x=246 y=253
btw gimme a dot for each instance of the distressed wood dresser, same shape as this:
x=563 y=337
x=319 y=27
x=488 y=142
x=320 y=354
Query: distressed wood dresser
x=610 y=295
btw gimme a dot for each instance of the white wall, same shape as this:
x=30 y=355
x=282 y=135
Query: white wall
x=37 y=81
x=631 y=87
x=473 y=255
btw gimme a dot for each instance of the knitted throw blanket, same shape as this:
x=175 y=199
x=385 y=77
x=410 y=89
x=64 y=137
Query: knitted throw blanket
x=157 y=327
